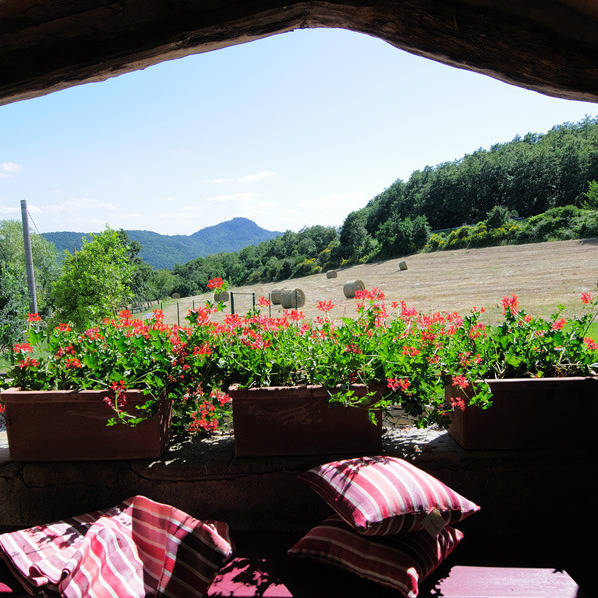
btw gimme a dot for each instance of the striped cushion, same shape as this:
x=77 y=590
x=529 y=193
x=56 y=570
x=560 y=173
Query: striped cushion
x=400 y=562
x=139 y=548
x=381 y=496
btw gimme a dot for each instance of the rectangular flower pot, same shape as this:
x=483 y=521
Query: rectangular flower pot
x=65 y=425
x=529 y=413
x=300 y=420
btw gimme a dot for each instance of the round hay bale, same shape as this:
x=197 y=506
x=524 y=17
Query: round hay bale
x=331 y=274
x=292 y=299
x=403 y=265
x=176 y=296
x=223 y=296
x=350 y=287
x=275 y=296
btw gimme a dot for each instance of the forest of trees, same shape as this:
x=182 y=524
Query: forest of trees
x=531 y=189
x=543 y=179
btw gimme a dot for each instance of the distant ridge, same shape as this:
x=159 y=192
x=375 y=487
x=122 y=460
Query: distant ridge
x=164 y=251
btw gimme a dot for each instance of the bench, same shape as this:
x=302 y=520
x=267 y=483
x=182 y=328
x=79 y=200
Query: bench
x=488 y=569
x=477 y=569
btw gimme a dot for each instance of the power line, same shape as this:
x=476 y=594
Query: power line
x=33 y=222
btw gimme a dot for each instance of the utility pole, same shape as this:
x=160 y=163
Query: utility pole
x=28 y=258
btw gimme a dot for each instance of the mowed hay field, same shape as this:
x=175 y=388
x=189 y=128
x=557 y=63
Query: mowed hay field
x=542 y=275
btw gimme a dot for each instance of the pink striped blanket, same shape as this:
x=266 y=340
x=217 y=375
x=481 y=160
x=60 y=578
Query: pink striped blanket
x=139 y=548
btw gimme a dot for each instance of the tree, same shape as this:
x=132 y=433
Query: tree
x=591 y=201
x=96 y=280
x=14 y=296
x=402 y=237
x=354 y=236
x=161 y=284
x=142 y=284
x=322 y=236
x=526 y=175
x=14 y=302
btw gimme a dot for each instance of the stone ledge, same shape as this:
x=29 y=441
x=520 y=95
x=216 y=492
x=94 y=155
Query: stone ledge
x=3 y=447
x=518 y=491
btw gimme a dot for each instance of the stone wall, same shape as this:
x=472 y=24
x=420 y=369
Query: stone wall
x=520 y=492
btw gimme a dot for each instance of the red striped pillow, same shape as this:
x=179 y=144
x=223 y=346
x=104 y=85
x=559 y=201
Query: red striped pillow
x=137 y=548
x=381 y=496
x=400 y=562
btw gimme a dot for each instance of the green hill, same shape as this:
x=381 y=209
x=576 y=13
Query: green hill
x=164 y=251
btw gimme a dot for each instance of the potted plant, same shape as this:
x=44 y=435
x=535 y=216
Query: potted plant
x=292 y=380
x=439 y=367
x=533 y=376
x=297 y=387
x=110 y=392
x=492 y=386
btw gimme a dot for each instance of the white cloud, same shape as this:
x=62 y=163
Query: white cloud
x=10 y=167
x=178 y=220
x=248 y=178
x=81 y=204
x=260 y=176
x=267 y=205
x=232 y=197
x=7 y=169
x=5 y=210
x=78 y=214
x=219 y=181
x=188 y=211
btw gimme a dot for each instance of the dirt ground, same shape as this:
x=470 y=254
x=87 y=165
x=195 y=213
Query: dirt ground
x=542 y=275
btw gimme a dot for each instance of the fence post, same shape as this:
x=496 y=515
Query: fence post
x=232 y=303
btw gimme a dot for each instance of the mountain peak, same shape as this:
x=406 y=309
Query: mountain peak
x=235 y=224
x=165 y=251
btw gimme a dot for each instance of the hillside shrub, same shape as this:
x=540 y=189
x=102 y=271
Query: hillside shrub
x=306 y=267
x=497 y=217
x=436 y=242
x=550 y=223
x=587 y=225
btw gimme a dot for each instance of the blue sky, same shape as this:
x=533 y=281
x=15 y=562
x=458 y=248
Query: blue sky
x=290 y=131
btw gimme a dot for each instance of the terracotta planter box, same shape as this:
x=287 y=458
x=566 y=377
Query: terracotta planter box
x=530 y=413
x=60 y=425
x=299 y=420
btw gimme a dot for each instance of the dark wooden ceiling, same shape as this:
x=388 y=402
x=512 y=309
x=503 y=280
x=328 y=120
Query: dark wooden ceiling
x=546 y=45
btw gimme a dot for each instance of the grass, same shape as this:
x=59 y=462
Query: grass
x=542 y=275
x=593 y=331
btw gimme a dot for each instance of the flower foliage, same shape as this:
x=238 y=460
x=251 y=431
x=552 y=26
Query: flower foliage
x=121 y=353
x=414 y=356
x=408 y=357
